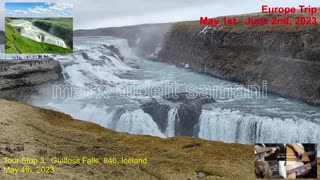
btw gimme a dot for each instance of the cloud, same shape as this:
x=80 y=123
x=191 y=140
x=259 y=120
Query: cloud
x=33 y=11
x=48 y=9
x=41 y=9
x=60 y=6
x=17 y=12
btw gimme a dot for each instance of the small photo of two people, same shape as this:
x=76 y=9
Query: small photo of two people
x=288 y=161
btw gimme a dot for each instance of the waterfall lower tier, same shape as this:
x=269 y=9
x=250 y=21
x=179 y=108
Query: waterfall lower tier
x=172 y=118
x=235 y=126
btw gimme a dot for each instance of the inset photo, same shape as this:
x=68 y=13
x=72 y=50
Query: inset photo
x=38 y=28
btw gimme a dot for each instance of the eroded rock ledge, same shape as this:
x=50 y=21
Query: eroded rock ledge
x=19 y=79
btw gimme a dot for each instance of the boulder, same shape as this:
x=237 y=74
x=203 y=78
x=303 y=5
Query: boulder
x=114 y=50
x=158 y=112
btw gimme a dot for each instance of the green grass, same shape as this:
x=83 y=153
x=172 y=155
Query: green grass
x=26 y=45
x=66 y=23
x=9 y=39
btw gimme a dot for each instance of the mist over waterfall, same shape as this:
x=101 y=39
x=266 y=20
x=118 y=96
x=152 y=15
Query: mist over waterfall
x=128 y=81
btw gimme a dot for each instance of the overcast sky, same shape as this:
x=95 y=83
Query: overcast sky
x=90 y=14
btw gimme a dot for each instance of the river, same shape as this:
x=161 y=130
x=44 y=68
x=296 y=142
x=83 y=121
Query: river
x=242 y=119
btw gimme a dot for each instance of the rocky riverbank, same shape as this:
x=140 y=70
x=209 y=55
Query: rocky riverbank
x=19 y=79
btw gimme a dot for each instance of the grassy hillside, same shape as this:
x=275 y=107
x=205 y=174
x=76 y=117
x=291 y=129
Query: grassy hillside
x=66 y=23
x=9 y=39
x=15 y=43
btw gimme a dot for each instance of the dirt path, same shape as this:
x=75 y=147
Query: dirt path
x=14 y=45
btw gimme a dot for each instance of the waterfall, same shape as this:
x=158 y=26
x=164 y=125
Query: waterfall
x=234 y=126
x=99 y=66
x=28 y=30
x=137 y=122
x=49 y=39
x=92 y=64
x=172 y=117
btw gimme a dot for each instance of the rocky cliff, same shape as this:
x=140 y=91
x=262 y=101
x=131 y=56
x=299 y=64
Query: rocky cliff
x=20 y=79
x=288 y=58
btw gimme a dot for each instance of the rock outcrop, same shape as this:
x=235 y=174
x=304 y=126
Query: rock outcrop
x=19 y=79
x=115 y=51
x=189 y=107
x=32 y=132
x=288 y=58
x=158 y=112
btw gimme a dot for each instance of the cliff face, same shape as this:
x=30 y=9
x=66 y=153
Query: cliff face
x=19 y=79
x=288 y=59
x=143 y=39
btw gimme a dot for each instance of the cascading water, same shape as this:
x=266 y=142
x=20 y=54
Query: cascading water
x=235 y=126
x=172 y=118
x=137 y=122
x=244 y=120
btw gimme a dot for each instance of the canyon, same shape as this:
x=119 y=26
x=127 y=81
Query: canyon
x=286 y=57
